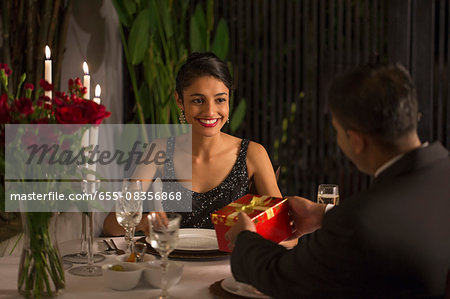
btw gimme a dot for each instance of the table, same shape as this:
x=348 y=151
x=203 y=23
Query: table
x=195 y=282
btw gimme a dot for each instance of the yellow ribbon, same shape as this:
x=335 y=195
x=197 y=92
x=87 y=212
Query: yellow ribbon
x=256 y=203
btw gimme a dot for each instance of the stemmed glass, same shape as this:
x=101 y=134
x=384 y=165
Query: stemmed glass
x=164 y=229
x=89 y=187
x=129 y=209
x=82 y=256
x=328 y=194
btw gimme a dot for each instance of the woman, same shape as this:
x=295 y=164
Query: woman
x=222 y=165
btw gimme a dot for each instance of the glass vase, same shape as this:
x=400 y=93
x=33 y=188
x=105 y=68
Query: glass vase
x=41 y=272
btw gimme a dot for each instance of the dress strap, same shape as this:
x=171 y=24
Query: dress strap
x=243 y=151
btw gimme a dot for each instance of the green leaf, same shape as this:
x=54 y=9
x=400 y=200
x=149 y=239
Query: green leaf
x=138 y=40
x=197 y=37
x=238 y=115
x=130 y=7
x=122 y=12
x=221 y=40
x=145 y=100
x=210 y=14
x=163 y=6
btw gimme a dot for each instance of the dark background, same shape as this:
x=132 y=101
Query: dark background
x=285 y=52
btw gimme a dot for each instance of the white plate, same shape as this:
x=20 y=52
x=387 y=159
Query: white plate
x=245 y=290
x=196 y=239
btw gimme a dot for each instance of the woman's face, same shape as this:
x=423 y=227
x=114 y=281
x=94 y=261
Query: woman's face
x=205 y=105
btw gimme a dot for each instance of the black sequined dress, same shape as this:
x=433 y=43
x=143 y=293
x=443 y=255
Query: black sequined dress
x=233 y=187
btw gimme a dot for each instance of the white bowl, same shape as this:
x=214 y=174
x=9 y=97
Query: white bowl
x=153 y=271
x=124 y=257
x=122 y=280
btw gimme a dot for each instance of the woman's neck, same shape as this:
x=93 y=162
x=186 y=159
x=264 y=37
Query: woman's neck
x=206 y=146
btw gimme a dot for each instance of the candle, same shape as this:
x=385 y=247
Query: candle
x=48 y=70
x=86 y=81
x=93 y=134
x=97 y=93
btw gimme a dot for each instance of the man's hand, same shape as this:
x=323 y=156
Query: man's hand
x=243 y=223
x=306 y=214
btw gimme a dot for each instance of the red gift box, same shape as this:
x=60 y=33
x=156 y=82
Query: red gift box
x=270 y=215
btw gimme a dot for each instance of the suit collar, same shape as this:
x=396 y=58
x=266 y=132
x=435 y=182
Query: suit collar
x=415 y=159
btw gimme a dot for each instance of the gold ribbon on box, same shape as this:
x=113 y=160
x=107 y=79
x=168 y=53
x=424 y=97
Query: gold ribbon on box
x=257 y=203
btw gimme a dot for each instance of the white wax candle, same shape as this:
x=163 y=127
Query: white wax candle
x=93 y=133
x=48 y=69
x=86 y=81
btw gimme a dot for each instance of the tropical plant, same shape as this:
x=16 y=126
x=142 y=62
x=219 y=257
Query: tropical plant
x=156 y=40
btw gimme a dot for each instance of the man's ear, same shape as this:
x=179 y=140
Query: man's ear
x=179 y=101
x=357 y=141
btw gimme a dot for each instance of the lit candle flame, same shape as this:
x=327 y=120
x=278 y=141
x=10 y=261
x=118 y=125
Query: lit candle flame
x=85 y=68
x=47 y=52
x=98 y=91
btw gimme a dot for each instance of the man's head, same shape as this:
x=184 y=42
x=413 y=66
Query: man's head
x=376 y=106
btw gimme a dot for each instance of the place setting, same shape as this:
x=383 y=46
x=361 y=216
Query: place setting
x=193 y=243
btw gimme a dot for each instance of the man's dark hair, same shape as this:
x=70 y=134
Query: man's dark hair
x=199 y=65
x=379 y=100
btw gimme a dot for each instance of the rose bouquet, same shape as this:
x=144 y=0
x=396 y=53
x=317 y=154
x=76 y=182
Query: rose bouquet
x=41 y=273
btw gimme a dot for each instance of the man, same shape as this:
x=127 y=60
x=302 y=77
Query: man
x=390 y=241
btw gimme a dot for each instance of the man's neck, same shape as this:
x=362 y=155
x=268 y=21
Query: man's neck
x=404 y=145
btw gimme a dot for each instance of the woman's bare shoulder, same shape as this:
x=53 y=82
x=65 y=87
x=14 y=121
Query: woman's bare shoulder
x=256 y=150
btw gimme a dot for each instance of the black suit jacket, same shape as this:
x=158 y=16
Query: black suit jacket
x=391 y=241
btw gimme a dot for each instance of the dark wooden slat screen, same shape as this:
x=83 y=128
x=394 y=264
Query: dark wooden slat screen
x=286 y=52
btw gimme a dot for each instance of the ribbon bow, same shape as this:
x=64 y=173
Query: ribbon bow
x=257 y=203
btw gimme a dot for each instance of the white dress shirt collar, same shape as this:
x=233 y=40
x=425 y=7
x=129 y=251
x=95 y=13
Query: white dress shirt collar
x=393 y=160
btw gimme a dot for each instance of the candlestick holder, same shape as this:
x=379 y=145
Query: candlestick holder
x=89 y=187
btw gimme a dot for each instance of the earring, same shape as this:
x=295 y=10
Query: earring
x=228 y=120
x=182 y=118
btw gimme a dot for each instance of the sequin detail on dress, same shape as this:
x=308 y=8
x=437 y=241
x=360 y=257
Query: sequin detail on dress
x=233 y=187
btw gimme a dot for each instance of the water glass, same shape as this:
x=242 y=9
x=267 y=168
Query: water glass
x=328 y=194
x=129 y=209
x=164 y=229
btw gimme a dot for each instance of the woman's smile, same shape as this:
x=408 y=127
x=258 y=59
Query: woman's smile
x=208 y=122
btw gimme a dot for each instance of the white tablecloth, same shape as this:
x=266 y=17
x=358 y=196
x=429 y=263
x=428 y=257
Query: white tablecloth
x=195 y=282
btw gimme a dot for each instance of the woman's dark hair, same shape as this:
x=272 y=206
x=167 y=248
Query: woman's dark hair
x=379 y=100
x=199 y=65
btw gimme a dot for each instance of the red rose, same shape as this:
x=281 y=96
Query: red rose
x=70 y=115
x=81 y=111
x=24 y=106
x=45 y=85
x=4 y=109
x=78 y=82
x=44 y=102
x=4 y=66
x=29 y=86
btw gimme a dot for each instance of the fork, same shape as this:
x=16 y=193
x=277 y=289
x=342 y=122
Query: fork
x=109 y=249
x=118 y=251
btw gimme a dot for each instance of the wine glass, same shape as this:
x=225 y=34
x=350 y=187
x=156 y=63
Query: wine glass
x=164 y=229
x=129 y=209
x=328 y=194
